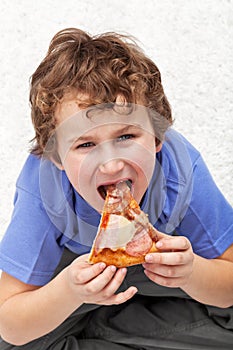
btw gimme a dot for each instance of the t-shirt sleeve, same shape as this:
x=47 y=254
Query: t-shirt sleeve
x=30 y=249
x=208 y=222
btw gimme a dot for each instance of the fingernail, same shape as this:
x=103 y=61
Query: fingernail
x=159 y=244
x=113 y=268
x=102 y=265
x=148 y=258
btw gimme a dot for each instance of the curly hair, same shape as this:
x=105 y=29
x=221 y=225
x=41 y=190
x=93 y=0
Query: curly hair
x=99 y=67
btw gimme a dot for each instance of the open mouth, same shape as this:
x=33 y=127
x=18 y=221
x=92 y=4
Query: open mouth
x=104 y=188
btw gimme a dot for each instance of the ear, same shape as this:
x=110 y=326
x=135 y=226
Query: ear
x=159 y=147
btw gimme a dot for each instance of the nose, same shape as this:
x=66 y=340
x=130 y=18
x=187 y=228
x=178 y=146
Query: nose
x=111 y=167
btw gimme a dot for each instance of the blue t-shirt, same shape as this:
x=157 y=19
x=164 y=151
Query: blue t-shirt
x=50 y=215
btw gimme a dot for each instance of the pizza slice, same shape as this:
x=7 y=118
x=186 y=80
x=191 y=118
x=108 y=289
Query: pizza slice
x=124 y=234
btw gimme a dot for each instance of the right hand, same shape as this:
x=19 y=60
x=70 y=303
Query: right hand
x=97 y=284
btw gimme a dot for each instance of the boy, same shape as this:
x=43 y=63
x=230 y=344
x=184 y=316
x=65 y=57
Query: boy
x=100 y=117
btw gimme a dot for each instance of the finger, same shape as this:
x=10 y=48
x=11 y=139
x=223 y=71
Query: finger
x=114 y=283
x=168 y=270
x=83 y=257
x=164 y=281
x=170 y=258
x=173 y=244
x=82 y=272
x=120 y=297
x=101 y=281
x=159 y=235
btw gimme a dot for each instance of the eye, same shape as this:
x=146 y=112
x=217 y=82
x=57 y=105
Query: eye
x=125 y=137
x=85 y=145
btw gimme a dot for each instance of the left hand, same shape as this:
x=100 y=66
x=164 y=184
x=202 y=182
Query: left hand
x=172 y=265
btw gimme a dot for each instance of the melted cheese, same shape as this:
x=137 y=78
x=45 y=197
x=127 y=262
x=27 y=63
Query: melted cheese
x=118 y=233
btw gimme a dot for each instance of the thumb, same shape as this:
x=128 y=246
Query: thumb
x=157 y=235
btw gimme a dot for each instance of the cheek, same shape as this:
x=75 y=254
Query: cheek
x=72 y=168
x=144 y=156
x=81 y=171
x=144 y=175
x=144 y=162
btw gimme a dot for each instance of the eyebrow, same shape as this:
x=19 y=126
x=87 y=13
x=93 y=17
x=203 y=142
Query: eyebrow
x=123 y=130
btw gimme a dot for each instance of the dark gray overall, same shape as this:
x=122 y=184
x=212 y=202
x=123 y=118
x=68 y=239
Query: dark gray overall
x=156 y=318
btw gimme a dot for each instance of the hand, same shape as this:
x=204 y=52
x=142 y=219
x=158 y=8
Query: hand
x=97 y=284
x=173 y=264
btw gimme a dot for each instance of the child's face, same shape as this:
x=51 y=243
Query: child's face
x=105 y=148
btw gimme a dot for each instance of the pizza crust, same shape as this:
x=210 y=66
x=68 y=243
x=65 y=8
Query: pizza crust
x=119 y=257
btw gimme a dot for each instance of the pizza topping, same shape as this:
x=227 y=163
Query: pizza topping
x=124 y=235
x=127 y=225
x=118 y=198
x=140 y=244
x=120 y=232
x=104 y=189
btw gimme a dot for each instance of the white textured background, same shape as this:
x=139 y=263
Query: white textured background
x=190 y=41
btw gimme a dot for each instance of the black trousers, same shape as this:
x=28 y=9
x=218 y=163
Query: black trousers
x=156 y=318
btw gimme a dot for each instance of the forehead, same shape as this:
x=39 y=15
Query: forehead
x=73 y=122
